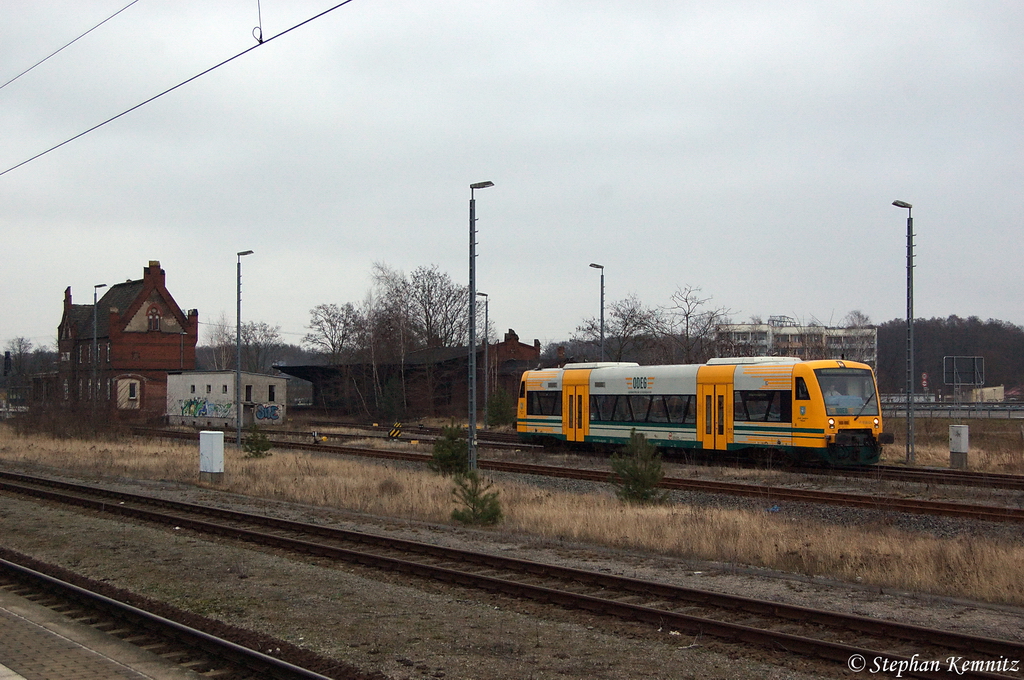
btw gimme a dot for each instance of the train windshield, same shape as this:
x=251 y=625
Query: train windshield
x=848 y=391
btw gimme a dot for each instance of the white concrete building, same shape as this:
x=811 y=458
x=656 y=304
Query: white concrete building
x=207 y=399
x=783 y=337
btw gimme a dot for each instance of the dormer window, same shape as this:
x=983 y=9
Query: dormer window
x=154 y=318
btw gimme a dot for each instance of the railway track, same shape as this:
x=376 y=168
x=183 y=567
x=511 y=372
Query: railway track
x=190 y=648
x=899 y=473
x=835 y=637
x=770 y=494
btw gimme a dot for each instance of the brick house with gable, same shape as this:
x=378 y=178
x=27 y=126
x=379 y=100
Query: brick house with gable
x=141 y=334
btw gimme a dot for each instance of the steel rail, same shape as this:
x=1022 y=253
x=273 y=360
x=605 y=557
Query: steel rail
x=899 y=473
x=234 y=654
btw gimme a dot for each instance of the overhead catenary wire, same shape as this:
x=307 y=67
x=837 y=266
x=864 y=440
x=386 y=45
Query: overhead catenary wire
x=175 y=87
x=69 y=44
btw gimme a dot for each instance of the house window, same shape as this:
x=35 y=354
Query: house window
x=248 y=392
x=223 y=389
x=209 y=388
x=271 y=393
x=133 y=390
x=154 y=318
x=193 y=389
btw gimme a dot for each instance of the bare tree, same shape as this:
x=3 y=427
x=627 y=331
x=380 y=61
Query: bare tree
x=390 y=314
x=856 y=319
x=221 y=339
x=627 y=333
x=261 y=346
x=439 y=308
x=334 y=330
x=688 y=327
x=21 y=355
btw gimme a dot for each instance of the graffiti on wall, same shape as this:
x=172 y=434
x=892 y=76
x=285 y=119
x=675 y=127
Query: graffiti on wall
x=268 y=412
x=200 y=407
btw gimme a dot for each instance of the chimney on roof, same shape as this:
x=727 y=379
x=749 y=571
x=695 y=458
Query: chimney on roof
x=154 y=271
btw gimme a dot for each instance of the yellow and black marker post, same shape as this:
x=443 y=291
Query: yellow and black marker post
x=396 y=431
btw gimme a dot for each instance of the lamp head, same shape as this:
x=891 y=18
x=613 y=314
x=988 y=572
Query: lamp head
x=902 y=204
x=597 y=266
x=244 y=253
x=481 y=185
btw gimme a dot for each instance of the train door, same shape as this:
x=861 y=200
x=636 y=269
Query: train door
x=576 y=405
x=714 y=413
x=577 y=420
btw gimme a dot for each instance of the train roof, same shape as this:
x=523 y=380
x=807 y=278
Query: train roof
x=753 y=360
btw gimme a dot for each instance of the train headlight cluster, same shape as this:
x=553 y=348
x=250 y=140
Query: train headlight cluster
x=832 y=423
x=876 y=422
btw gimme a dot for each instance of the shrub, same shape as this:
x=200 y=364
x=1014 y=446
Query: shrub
x=638 y=472
x=480 y=504
x=451 y=453
x=256 y=444
x=501 y=409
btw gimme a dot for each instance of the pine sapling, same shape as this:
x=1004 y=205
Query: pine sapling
x=638 y=472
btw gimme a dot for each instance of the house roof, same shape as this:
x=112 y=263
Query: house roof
x=119 y=296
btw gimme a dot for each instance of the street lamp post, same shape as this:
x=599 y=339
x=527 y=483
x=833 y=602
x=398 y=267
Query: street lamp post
x=238 y=353
x=601 y=267
x=471 y=425
x=910 y=329
x=487 y=343
x=94 y=388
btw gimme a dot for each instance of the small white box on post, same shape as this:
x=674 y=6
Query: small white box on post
x=211 y=457
x=958 y=445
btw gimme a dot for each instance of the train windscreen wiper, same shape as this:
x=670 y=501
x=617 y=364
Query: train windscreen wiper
x=866 y=402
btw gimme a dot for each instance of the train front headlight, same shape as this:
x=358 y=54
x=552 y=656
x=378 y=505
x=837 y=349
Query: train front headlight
x=876 y=422
x=832 y=423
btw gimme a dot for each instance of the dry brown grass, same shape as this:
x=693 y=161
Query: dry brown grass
x=995 y=445
x=965 y=567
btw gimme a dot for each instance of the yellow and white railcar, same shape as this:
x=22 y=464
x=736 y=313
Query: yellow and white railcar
x=808 y=411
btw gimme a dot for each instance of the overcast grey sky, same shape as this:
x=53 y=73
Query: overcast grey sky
x=752 y=149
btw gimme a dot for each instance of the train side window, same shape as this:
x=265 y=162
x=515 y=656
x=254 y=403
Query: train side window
x=682 y=408
x=801 y=390
x=785 y=407
x=544 y=403
x=691 y=409
x=751 y=406
x=522 y=389
x=658 y=412
x=739 y=407
x=602 y=407
x=762 y=406
x=640 y=404
x=622 y=413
